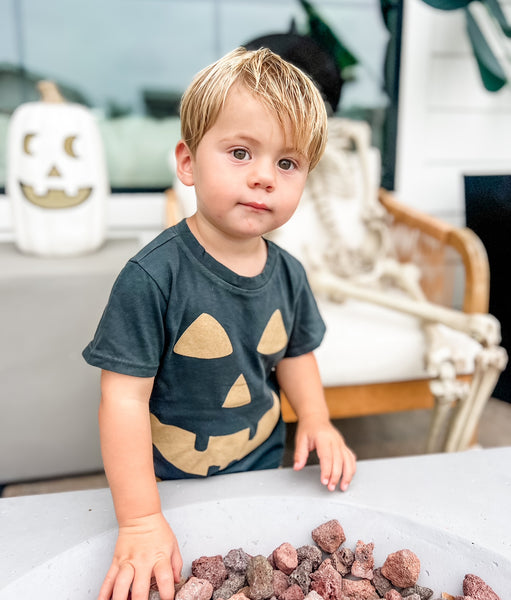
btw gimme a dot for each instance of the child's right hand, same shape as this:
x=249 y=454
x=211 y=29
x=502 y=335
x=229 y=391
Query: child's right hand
x=146 y=546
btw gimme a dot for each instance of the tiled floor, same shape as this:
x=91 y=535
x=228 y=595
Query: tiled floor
x=398 y=434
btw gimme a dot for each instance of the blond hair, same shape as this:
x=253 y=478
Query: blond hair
x=286 y=91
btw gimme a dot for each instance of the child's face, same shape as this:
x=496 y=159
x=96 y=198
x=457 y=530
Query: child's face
x=248 y=178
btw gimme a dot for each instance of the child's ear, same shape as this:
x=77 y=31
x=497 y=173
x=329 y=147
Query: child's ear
x=184 y=163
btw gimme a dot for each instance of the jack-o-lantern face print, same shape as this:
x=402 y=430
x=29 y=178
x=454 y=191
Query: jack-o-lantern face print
x=206 y=339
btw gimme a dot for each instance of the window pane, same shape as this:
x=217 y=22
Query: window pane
x=130 y=60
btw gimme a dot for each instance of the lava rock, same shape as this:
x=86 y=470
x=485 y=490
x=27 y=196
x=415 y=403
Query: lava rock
x=393 y=594
x=477 y=588
x=312 y=595
x=195 y=589
x=293 y=592
x=363 y=564
x=211 y=568
x=236 y=561
x=327 y=582
x=358 y=590
x=329 y=536
x=285 y=558
x=342 y=560
x=402 y=568
x=381 y=583
x=312 y=553
x=239 y=596
x=301 y=575
x=232 y=585
x=280 y=583
x=424 y=593
x=260 y=578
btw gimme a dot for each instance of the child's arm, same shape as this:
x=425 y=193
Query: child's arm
x=299 y=379
x=146 y=544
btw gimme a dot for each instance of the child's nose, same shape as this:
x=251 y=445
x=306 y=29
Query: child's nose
x=262 y=175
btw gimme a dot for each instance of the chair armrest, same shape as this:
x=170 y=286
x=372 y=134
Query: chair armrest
x=172 y=210
x=466 y=243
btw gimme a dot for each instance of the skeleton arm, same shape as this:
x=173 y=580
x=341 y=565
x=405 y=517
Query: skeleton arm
x=484 y=328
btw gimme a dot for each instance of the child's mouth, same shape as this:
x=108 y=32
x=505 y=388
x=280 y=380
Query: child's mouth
x=256 y=206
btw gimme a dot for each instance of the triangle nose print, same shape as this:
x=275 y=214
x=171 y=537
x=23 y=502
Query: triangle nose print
x=54 y=172
x=239 y=394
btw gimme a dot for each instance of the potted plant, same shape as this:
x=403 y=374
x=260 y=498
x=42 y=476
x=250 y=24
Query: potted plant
x=489 y=33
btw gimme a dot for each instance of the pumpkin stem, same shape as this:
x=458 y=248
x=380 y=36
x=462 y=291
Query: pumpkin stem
x=49 y=91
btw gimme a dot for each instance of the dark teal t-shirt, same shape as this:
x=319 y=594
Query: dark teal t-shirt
x=211 y=339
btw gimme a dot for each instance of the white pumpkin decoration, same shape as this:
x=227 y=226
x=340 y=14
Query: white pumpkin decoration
x=56 y=177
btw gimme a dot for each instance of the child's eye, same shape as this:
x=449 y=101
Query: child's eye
x=286 y=164
x=240 y=154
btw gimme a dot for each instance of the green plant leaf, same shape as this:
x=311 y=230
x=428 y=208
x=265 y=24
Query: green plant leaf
x=496 y=10
x=492 y=74
x=448 y=4
x=321 y=33
x=493 y=6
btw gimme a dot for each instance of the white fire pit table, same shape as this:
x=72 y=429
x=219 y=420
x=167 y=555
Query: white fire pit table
x=452 y=510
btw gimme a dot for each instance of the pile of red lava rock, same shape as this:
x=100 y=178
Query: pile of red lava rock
x=325 y=571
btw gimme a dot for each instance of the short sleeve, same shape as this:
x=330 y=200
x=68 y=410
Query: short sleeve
x=308 y=327
x=130 y=336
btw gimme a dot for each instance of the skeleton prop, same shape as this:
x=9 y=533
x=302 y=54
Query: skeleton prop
x=363 y=268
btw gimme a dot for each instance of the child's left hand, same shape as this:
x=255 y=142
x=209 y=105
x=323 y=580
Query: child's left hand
x=337 y=461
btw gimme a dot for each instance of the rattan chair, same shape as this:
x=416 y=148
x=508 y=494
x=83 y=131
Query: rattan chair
x=384 y=276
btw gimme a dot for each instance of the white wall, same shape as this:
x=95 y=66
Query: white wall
x=449 y=125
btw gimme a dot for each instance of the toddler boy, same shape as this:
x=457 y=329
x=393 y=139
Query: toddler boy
x=209 y=321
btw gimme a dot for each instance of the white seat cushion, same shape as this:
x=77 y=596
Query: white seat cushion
x=365 y=343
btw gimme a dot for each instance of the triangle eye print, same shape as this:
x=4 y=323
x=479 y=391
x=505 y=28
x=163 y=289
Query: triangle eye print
x=204 y=338
x=274 y=337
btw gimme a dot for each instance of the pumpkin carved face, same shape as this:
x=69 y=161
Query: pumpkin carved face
x=56 y=178
x=54 y=156
x=53 y=197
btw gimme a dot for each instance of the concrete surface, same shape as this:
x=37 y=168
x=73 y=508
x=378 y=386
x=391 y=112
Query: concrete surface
x=452 y=510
